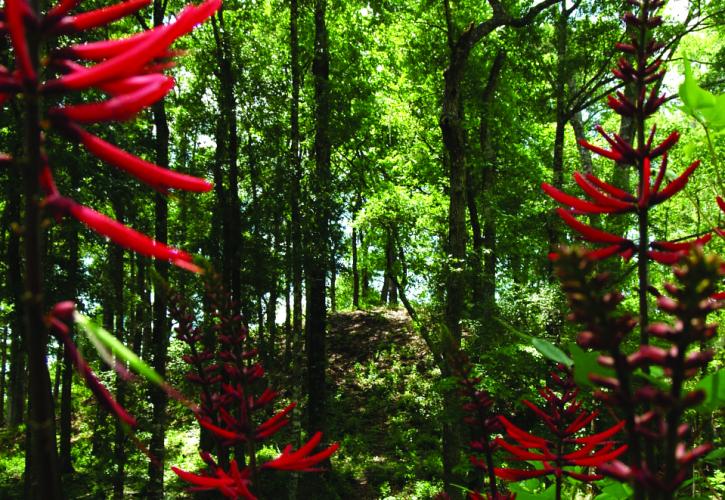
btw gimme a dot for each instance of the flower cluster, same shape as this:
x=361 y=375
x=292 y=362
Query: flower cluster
x=129 y=71
x=564 y=452
x=658 y=430
x=649 y=159
x=233 y=397
x=484 y=425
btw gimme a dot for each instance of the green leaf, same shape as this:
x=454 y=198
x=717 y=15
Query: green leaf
x=586 y=363
x=97 y=334
x=614 y=491
x=550 y=351
x=714 y=387
x=715 y=455
x=546 y=348
x=701 y=104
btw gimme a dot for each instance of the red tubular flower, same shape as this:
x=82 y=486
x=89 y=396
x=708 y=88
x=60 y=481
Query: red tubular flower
x=153 y=175
x=230 y=383
x=301 y=460
x=121 y=234
x=121 y=108
x=98 y=17
x=16 y=12
x=565 y=418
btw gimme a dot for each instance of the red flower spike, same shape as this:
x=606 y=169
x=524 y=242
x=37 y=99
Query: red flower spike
x=564 y=416
x=301 y=460
x=98 y=17
x=230 y=403
x=121 y=108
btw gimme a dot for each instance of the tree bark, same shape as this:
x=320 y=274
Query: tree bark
x=451 y=124
x=66 y=461
x=119 y=453
x=18 y=377
x=318 y=246
x=161 y=324
x=3 y=371
x=484 y=267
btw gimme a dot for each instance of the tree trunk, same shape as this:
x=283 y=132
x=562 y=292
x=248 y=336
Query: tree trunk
x=561 y=117
x=484 y=268
x=161 y=324
x=355 y=269
x=3 y=371
x=119 y=453
x=585 y=156
x=17 y=387
x=318 y=250
x=71 y=289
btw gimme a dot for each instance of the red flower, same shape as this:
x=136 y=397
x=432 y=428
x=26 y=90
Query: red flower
x=565 y=418
x=129 y=71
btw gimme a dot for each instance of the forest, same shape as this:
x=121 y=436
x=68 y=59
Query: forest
x=408 y=249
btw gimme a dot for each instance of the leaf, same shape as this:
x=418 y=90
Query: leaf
x=715 y=455
x=550 y=351
x=586 y=363
x=546 y=348
x=701 y=104
x=98 y=334
x=714 y=387
x=613 y=490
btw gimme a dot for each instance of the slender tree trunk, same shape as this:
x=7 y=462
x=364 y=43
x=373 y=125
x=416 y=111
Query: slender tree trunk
x=318 y=248
x=355 y=269
x=484 y=267
x=119 y=453
x=585 y=156
x=161 y=323
x=71 y=288
x=561 y=116
x=3 y=371
x=228 y=154
x=17 y=379
x=296 y=249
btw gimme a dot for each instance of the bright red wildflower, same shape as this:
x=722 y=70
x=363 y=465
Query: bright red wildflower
x=565 y=418
x=128 y=70
x=233 y=400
